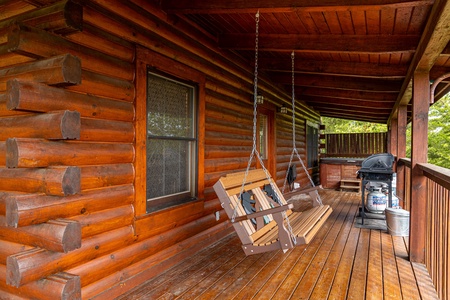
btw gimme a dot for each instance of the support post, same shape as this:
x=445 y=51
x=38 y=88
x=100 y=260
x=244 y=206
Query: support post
x=419 y=149
x=401 y=151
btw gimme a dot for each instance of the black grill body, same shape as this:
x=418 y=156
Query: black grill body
x=377 y=167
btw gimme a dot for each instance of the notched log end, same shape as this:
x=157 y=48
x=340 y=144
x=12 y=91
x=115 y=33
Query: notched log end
x=12 y=271
x=12 y=153
x=12 y=94
x=12 y=215
x=71 y=182
x=72 y=287
x=71 y=238
x=71 y=70
x=71 y=125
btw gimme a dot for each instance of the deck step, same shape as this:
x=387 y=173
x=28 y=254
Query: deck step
x=350 y=184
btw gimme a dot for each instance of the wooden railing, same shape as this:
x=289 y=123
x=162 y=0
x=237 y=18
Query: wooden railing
x=353 y=144
x=437 y=239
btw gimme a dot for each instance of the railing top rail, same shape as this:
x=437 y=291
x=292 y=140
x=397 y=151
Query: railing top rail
x=438 y=174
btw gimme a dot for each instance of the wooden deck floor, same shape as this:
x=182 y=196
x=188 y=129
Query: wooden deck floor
x=341 y=262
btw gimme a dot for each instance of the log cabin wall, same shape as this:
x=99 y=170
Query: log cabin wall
x=71 y=210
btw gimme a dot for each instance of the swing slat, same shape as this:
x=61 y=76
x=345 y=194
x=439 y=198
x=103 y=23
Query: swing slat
x=273 y=235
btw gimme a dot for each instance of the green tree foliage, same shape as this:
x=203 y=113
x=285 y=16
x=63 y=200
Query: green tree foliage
x=333 y=125
x=438 y=131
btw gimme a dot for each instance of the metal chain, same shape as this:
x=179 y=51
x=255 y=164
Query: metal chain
x=294 y=147
x=254 y=149
x=255 y=110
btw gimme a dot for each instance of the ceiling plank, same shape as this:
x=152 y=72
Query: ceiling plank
x=361 y=44
x=337 y=82
x=252 y=6
x=346 y=94
x=367 y=70
x=350 y=103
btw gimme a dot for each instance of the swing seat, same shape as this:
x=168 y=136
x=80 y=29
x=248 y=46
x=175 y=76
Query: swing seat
x=266 y=229
x=311 y=191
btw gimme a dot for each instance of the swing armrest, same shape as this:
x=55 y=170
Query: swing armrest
x=265 y=212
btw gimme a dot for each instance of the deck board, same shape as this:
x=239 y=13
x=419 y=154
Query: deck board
x=341 y=262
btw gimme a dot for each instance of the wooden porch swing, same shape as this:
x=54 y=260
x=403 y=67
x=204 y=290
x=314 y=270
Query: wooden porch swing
x=260 y=215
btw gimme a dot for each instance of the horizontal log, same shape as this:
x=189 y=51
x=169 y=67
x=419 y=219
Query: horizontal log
x=10 y=248
x=12 y=8
x=34 y=264
x=35 y=153
x=5 y=112
x=62 y=286
x=64 y=17
x=111 y=263
x=10 y=296
x=105 y=42
x=106 y=175
x=146 y=269
x=53 y=126
x=8 y=59
x=62 y=70
x=55 y=235
x=30 y=96
x=57 y=181
x=24 y=210
x=98 y=130
x=159 y=222
x=217 y=165
x=105 y=86
x=37 y=43
x=105 y=220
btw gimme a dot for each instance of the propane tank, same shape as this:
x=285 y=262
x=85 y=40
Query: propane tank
x=376 y=201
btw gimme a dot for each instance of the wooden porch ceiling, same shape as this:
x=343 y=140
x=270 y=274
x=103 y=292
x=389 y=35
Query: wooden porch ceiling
x=353 y=59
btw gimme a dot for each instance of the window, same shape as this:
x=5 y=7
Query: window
x=171 y=141
x=312 y=139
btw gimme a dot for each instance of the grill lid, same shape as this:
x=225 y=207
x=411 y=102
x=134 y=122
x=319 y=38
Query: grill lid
x=377 y=163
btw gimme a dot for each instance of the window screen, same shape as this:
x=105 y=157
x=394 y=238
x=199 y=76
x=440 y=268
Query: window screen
x=171 y=142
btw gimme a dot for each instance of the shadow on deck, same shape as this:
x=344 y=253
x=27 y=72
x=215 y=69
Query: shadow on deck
x=341 y=262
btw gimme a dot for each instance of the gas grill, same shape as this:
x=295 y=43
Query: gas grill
x=376 y=168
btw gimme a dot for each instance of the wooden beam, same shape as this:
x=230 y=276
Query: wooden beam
x=55 y=235
x=346 y=94
x=31 y=96
x=53 y=126
x=419 y=151
x=37 y=43
x=361 y=44
x=350 y=103
x=402 y=117
x=99 y=176
x=340 y=83
x=28 y=209
x=26 y=267
x=63 y=17
x=37 y=153
x=252 y=6
x=434 y=40
x=61 y=285
x=62 y=70
x=367 y=70
x=57 y=181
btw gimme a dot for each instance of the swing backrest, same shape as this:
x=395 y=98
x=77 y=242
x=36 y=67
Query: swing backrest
x=228 y=189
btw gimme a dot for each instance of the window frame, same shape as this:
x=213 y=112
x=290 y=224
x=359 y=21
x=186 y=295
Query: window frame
x=146 y=59
x=161 y=202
